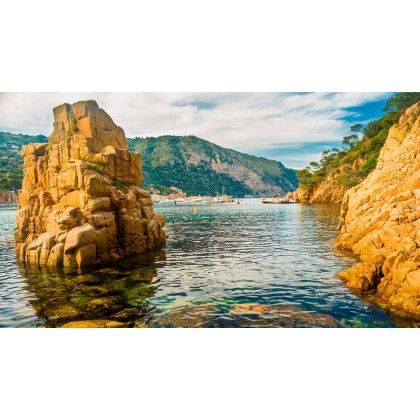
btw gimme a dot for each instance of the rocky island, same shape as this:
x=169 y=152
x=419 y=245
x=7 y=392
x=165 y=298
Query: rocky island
x=380 y=220
x=81 y=201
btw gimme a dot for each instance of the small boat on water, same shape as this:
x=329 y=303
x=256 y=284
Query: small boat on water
x=277 y=200
x=181 y=200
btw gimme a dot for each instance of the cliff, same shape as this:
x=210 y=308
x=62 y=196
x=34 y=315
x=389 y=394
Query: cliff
x=81 y=201
x=198 y=166
x=380 y=220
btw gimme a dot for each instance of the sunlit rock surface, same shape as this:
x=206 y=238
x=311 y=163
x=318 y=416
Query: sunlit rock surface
x=329 y=191
x=380 y=222
x=81 y=201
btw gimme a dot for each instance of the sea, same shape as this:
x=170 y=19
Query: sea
x=225 y=265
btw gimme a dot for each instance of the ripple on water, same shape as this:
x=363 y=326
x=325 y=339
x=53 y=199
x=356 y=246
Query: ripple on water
x=215 y=258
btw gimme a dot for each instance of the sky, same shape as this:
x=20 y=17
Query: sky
x=294 y=128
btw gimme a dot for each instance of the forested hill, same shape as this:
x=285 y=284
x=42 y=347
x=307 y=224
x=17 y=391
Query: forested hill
x=198 y=166
x=190 y=163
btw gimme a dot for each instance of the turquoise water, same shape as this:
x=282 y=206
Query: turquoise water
x=277 y=256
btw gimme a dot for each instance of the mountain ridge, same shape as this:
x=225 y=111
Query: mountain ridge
x=216 y=167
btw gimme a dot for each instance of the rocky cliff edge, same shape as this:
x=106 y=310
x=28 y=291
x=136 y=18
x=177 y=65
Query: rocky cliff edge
x=380 y=220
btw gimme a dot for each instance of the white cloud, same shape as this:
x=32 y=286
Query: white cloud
x=243 y=121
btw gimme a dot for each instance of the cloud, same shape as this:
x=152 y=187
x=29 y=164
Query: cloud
x=248 y=122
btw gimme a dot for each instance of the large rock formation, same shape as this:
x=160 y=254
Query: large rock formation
x=81 y=201
x=380 y=220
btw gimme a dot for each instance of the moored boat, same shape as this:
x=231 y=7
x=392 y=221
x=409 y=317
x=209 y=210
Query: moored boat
x=277 y=200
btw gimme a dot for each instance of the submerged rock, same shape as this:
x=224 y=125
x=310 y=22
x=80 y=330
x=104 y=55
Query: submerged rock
x=286 y=316
x=97 y=323
x=60 y=299
x=203 y=316
x=380 y=220
x=81 y=201
x=242 y=315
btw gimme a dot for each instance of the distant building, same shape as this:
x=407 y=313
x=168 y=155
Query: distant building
x=175 y=190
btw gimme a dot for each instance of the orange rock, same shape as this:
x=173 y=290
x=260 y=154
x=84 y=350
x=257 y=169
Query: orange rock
x=380 y=219
x=83 y=190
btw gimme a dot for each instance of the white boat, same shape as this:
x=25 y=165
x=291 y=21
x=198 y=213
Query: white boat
x=277 y=200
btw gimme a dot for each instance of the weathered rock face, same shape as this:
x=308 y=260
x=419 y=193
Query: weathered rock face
x=81 y=201
x=331 y=192
x=380 y=220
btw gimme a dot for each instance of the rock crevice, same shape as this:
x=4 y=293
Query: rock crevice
x=81 y=201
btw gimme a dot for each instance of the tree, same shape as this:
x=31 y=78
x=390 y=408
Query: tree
x=401 y=101
x=304 y=175
x=349 y=141
x=357 y=128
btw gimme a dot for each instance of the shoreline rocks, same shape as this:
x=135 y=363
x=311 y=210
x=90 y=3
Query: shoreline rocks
x=380 y=220
x=81 y=201
x=330 y=192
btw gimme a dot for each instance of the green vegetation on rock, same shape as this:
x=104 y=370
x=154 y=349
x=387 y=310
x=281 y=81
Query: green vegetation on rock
x=358 y=156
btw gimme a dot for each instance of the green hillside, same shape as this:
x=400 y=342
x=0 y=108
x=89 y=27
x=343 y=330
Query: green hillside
x=200 y=167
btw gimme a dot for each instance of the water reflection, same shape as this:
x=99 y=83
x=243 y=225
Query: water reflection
x=116 y=296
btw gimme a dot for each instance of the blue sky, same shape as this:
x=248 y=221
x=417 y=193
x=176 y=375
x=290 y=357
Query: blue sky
x=294 y=128
x=296 y=154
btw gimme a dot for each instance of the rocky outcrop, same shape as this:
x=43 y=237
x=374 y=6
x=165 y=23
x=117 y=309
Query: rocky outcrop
x=7 y=197
x=81 y=201
x=380 y=220
x=330 y=192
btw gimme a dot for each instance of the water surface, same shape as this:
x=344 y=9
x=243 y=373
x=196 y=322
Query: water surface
x=216 y=257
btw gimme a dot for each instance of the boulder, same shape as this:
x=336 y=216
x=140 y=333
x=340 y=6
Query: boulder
x=80 y=236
